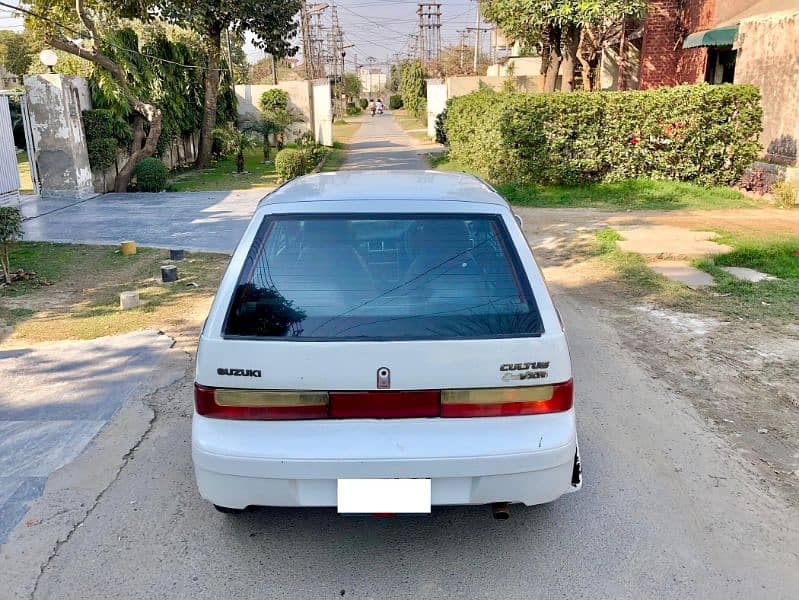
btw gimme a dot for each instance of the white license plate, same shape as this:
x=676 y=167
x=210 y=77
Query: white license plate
x=384 y=495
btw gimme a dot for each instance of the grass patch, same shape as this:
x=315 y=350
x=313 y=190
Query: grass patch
x=730 y=298
x=223 y=177
x=776 y=255
x=79 y=299
x=334 y=159
x=634 y=194
x=25 y=181
x=343 y=131
x=53 y=262
x=410 y=125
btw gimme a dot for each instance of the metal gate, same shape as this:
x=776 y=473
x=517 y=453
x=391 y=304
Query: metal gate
x=9 y=171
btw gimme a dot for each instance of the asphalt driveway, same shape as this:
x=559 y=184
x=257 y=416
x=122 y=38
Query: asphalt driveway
x=203 y=221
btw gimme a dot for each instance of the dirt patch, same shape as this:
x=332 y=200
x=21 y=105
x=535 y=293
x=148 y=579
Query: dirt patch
x=742 y=376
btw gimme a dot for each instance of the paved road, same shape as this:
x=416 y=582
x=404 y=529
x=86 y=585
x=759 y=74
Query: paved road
x=212 y=221
x=668 y=510
x=650 y=522
x=380 y=144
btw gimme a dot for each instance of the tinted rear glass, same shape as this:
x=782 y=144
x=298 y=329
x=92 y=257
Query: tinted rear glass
x=382 y=277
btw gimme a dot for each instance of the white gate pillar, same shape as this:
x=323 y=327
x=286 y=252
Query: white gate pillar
x=55 y=103
x=322 y=112
x=436 y=103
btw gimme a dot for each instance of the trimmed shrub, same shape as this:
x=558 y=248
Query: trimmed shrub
x=290 y=163
x=274 y=100
x=151 y=175
x=395 y=101
x=353 y=109
x=701 y=133
x=441 y=120
x=363 y=103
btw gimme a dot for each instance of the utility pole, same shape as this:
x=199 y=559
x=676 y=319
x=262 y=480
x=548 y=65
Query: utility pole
x=462 y=33
x=476 y=40
x=312 y=42
x=371 y=60
x=477 y=31
x=429 y=31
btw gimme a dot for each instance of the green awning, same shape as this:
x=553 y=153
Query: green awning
x=722 y=36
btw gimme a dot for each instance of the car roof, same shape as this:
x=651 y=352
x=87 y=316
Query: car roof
x=385 y=185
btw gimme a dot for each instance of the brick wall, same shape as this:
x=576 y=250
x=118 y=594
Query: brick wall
x=663 y=60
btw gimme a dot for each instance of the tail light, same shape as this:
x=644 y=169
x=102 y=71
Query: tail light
x=224 y=403
x=505 y=402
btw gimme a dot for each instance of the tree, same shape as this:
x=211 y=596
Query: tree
x=276 y=116
x=457 y=60
x=60 y=23
x=261 y=72
x=270 y=22
x=16 y=52
x=10 y=231
x=413 y=87
x=351 y=86
x=557 y=27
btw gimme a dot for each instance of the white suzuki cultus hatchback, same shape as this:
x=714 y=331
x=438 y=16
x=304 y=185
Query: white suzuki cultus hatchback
x=382 y=342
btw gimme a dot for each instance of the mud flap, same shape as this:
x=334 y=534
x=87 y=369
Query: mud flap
x=577 y=471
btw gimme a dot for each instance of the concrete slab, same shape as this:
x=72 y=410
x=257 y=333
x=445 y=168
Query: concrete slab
x=682 y=272
x=54 y=400
x=663 y=241
x=748 y=274
x=212 y=221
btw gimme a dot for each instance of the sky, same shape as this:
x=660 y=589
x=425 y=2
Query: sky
x=377 y=28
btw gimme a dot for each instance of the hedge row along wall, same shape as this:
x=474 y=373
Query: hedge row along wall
x=701 y=133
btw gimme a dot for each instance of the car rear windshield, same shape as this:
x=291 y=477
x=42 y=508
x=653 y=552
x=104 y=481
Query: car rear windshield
x=397 y=277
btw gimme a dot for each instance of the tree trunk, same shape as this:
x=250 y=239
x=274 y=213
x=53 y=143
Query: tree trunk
x=555 y=58
x=582 y=50
x=139 y=150
x=213 y=47
x=570 y=45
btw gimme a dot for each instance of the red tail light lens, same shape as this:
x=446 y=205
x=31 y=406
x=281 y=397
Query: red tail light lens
x=506 y=402
x=384 y=404
x=222 y=403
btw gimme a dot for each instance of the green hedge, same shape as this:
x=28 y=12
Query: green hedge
x=702 y=133
x=291 y=163
x=395 y=101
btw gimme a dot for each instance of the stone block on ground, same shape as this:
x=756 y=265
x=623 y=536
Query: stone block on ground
x=682 y=272
x=748 y=274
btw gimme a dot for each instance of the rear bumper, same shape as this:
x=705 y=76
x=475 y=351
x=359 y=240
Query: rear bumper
x=528 y=459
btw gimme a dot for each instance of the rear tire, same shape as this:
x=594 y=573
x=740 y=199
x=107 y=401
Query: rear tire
x=228 y=511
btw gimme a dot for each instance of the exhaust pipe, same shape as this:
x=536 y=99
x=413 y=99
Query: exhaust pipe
x=500 y=510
